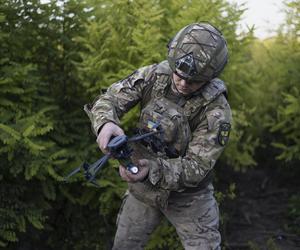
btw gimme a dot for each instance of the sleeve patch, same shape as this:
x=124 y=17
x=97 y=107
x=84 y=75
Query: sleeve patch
x=223 y=135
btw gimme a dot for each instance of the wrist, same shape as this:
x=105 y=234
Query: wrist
x=100 y=126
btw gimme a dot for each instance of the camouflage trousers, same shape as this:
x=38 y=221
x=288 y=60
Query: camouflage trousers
x=194 y=215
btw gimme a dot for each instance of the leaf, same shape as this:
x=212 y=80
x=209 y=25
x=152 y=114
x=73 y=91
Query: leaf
x=107 y=183
x=7 y=103
x=49 y=190
x=33 y=147
x=87 y=196
x=21 y=223
x=31 y=170
x=15 y=134
x=35 y=221
x=8 y=235
x=3 y=244
x=28 y=130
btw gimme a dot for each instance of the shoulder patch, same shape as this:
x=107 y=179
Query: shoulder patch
x=223 y=134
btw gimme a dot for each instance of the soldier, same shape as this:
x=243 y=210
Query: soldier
x=184 y=96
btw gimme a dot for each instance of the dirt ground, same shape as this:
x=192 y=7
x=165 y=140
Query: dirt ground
x=261 y=216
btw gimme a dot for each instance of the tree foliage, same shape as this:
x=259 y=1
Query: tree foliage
x=41 y=103
x=287 y=120
x=274 y=64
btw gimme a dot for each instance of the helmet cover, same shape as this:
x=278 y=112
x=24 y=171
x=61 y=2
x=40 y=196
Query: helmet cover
x=198 y=52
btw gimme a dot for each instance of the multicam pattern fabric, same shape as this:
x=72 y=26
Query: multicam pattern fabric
x=172 y=121
x=206 y=47
x=174 y=187
x=209 y=109
x=118 y=99
x=195 y=216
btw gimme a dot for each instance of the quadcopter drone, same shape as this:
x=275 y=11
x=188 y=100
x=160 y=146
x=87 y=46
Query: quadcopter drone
x=118 y=148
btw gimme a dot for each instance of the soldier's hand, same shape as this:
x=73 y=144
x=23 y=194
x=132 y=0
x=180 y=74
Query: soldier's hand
x=108 y=130
x=143 y=166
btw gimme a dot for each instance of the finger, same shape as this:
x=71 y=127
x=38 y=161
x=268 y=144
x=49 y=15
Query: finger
x=123 y=174
x=139 y=176
x=102 y=143
x=143 y=163
x=118 y=131
x=129 y=176
x=105 y=134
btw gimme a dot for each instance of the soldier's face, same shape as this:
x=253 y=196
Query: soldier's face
x=184 y=87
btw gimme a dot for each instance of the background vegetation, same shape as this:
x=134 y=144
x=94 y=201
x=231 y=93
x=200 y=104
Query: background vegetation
x=58 y=55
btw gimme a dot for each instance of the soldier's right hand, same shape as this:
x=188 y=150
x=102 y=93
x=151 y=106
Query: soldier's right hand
x=108 y=130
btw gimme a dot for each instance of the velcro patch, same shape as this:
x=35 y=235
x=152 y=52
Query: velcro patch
x=223 y=135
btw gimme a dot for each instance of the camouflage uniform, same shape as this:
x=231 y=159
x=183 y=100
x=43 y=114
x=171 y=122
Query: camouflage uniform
x=176 y=187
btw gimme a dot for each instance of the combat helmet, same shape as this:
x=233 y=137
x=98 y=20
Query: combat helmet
x=198 y=52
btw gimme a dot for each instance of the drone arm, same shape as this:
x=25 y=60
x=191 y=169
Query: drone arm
x=95 y=167
x=75 y=171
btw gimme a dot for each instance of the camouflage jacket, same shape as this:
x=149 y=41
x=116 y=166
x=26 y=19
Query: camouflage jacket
x=209 y=119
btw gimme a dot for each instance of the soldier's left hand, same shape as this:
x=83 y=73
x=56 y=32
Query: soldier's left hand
x=143 y=166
